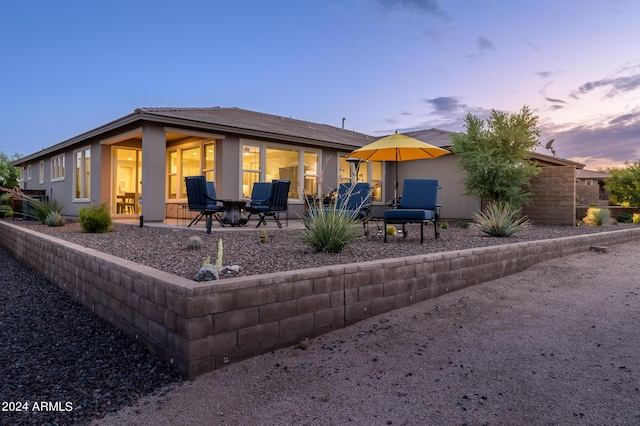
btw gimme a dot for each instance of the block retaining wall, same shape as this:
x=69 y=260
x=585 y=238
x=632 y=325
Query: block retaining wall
x=199 y=327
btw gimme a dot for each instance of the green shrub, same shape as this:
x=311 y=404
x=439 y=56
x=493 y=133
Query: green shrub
x=6 y=211
x=444 y=224
x=329 y=229
x=597 y=217
x=95 y=219
x=463 y=225
x=54 y=219
x=624 y=218
x=391 y=230
x=500 y=220
x=636 y=218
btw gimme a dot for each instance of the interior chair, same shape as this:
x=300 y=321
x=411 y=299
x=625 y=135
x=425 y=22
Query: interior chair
x=201 y=198
x=419 y=204
x=129 y=202
x=275 y=203
x=354 y=200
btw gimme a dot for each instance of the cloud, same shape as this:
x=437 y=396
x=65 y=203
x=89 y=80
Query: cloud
x=445 y=104
x=616 y=138
x=484 y=44
x=431 y=7
x=544 y=74
x=557 y=101
x=615 y=85
x=533 y=46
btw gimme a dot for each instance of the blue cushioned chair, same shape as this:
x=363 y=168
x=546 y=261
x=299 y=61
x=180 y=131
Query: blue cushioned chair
x=260 y=194
x=201 y=197
x=419 y=204
x=275 y=203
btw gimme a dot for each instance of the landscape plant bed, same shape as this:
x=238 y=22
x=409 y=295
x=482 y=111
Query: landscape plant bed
x=166 y=249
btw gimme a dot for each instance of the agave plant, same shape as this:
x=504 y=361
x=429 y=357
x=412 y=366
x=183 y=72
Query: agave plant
x=500 y=220
x=54 y=218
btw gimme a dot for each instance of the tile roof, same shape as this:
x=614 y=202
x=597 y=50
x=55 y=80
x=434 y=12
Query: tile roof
x=241 y=121
x=591 y=174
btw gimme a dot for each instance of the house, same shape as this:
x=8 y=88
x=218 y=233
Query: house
x=137 y=164
x=148 y=153
x=590 y=188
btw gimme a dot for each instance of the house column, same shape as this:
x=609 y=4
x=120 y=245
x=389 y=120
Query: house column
x=154 y=147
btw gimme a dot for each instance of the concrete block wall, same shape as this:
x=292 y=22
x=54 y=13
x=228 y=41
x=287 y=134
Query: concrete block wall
x=199 y=327
x=554 y=196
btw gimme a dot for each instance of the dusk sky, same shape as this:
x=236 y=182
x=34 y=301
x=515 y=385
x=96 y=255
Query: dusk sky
x=72 y=65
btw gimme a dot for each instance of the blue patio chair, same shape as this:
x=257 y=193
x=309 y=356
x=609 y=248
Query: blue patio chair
x=271 y=206
x=355 y=201
x=260 y=194
x=201 y=198
x=419 y=204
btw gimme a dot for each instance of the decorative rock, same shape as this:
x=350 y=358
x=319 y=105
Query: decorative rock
x=234 y=268
x=208 y=273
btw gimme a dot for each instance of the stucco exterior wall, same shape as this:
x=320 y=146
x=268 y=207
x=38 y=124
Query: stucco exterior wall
x=455 y=205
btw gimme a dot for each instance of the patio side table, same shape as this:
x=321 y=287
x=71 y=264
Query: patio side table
x=234 y=213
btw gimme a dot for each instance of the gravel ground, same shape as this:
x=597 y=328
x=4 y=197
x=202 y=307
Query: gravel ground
x=166 y=248
x=55 y=350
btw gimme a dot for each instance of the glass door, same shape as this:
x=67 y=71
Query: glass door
x=127 y=177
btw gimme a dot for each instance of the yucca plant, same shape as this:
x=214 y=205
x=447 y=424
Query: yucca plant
x=597 y=217
x=500 y=220
x=329 y=229
x=41 y=209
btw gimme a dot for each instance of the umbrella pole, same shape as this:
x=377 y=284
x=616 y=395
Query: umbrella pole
x=395 y=189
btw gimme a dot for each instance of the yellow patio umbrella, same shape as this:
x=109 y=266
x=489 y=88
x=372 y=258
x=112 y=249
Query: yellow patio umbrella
x=397 y=147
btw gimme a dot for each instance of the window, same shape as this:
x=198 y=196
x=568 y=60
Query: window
x=283 y=164
x=189 y=160
x=366 y=171
x=173 y=175
x=29 y=172
x=311 y=173
x=266 y=162
x=82 y=175
x=57 y=168
x=41 y=172
x=251 y=168
x=209 y=161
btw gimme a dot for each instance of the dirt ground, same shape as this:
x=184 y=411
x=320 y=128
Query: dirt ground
x=554 y=345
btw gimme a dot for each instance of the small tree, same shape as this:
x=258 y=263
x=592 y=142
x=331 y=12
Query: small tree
x=9 y=175
x=624 y=184
x=496 y=155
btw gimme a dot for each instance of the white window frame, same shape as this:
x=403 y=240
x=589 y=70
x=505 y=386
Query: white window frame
x=41 y=172
x=28 y=171
x=201 y=144
x=83 y=191
x=57 y=168
x=263 y=162
x=369 y=179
